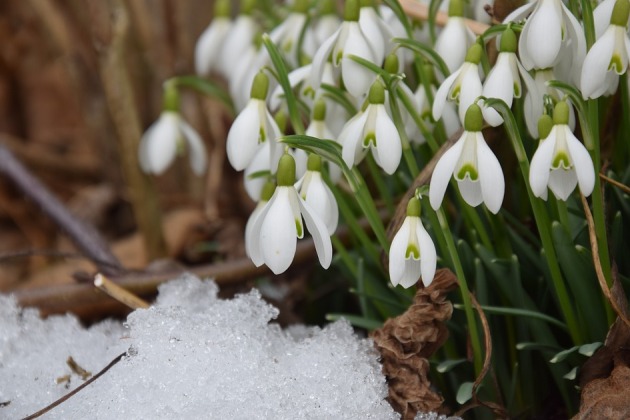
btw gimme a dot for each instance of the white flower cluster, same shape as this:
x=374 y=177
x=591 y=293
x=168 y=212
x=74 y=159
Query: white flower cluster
x=324 y=53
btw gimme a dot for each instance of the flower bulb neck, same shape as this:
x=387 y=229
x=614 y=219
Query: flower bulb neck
x=222 y=9
x=286 y=171
x=508 y=41
x=247 y=7
x=620 y=13
x=474 y=54
x=473 y=121
x=171 y=100
x=414 y=209
x=282 y=120
x=260 y=87
x=319 y=110
x=428 y=74
x=377 y=93
x=456 y=8
x=267 y=191
x=561 y=113
x=351 y=12
x=545 y=124
x=314 y=163
x=327 y=7
x=391 y=64
x=366 y=3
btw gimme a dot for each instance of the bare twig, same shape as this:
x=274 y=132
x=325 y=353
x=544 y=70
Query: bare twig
x=622 y=187
x=77 y=389
x=120 y=294
x=598 y=264
x=420 y=11
x=84 y=236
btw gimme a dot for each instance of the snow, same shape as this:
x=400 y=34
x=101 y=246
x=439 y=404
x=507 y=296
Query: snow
x=191 y=355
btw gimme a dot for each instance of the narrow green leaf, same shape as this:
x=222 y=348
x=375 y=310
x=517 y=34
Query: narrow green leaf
x=205 y=86
x=426 y=51
x=589 y=349
x=572 y=374
x=340 y=96
x=448 y=365
x=535 y=346
x=519 y=312
x=561 y=356
x=464 y=393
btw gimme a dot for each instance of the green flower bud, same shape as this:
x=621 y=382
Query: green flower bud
x=377 y=93
x=286 y=171
x=391 y=64
x=171 y=100
x=314 y=162
x=351 y=12
x=456 y=8
x=222 y=8
x=474 y=54
x=267 y=191
x=508 y=41
x=545 y=124
x=427 y=73
x=319 y=110
x=561 y=113
x=413 y=207
x=260 y=87
x=282 y=119
x=620 y=13
x=473 y=121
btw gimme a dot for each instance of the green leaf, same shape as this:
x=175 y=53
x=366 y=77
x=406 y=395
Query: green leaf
x=535 y=346
x=447 y=365
x=561 y=356
x=340 y=96
x=519 y=312
x=207 y=87
x=589 y=349
x=357 y=321
x=259 y=174
x=426 y=51
x=580 y=106
x=572 y=374
x=464 y=393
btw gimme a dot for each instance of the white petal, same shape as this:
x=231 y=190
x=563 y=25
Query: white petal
x=368 y=21
x=490 y=176
x=453 y=42
x=260 y=162
x=351 y=141
x=582 y=163
x=442 y=93
x=242 y=140
x=196 y=148
x=209 y=45
x=158 y=145
x=471 y=90
x=240 y=36
x=541 y=165
x=499 y=84
x=443 y=172
x=325 y=27
x=562 y=182
x=397 y=262
x=533 y=108
x=595 y=67
x=319 y=232
x=321 y=58
x=577 y=44
x=544 y=35
x=295 y=77
x=520 y=13
x=470 y=191
x=388 y=150
x=601 y=16
x=252 y=235
x=278 y=233
x=428 y=256
x=356 y=78
x=318 y=197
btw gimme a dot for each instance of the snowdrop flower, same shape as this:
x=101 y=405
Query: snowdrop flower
x=601 y=16
x=456 y=37
x=252 y=127
x=168 y=136
x=211 y=40
x=327 y=21
x=474 y=166
x=376 y=31
x=608 y=57
x=550 y=28
x=412 y=253
x=463 y=86
x=372 y=129
x=247 y=66
x=272 y=238
x=504 y=80
x=349 y=39
x=318 y=128
x=397 y=31
x=286 y=35
x=266 y=193
x=561 y=162
x=317 y=194
x=240 y=36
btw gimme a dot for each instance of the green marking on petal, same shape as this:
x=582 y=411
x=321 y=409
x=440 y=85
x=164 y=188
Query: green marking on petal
x=616 y=64
x=561 y=160
x=310 y=92
x=412 y=252
x=469 y=170
x=338 y=58
x=286 y=46
x=370 y=138
x=262 y=137
x=454 y=95
x=299 y=228
x=517 y=90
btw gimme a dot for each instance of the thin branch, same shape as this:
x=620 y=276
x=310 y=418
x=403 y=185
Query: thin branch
x=77 y=389
x=120 y=294
x=622 y=187
x=83 y=235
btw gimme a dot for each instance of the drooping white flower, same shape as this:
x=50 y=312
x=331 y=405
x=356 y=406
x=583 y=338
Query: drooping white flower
x=412 y=253
x=376 y=31
x=397 y=31
x=247 y=66
x=272 y=238
x=252 y=127
x=463 y=86
x=550 y=28
x=349 y=39
x=456 y=37
x=168 y=136
x=561 y=162
x=241 y=35
x=266 y=193
x=318 y=195
x=608 y=57
x=319 y=129
x=208 y=47
x=504 y=80
x=449 y=114
x=473 y=165
x=372 y=129
x=327 y=21
x=287 y=34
